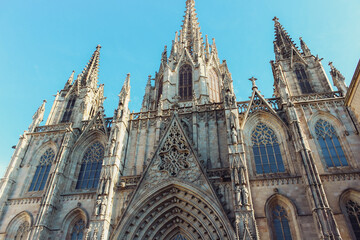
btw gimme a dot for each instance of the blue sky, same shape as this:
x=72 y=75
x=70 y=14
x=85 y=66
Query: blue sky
x=43 y=41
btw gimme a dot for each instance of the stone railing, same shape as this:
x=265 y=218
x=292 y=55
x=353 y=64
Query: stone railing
x=316 y=96
x=53 y=128
x=22 y=201
x=77 y=196
x=179 y=110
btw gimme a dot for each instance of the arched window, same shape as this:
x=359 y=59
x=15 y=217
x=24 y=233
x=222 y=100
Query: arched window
x=77 y=232
x=91 y=167
x=213 y=86
x=266 y=150
x=280 y=221
x=69 y=108
x=42 y=171
x=22 y=232
x=330 y=146
x=303 y=79
x=179 y=237
x=185 y=82
x=353 y=211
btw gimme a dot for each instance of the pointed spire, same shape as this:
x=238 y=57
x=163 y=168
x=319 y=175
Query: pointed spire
x=207 y=46
x=283 y=41
x=125 y=91
x=304 y=47
x=89 y=75
x=190 y=34
x=338 y=79
x=164 y=55
x=70 y=80
x=37 y=117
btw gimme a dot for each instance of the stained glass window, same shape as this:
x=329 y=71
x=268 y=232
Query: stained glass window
x=77 y=232
x=91 y=167
x=185 y=82
x=330 y=146
x=22 y=232
x=69 y=108
x=179 y=237
x=303 y=79
x=214 y=86
x=42 y=171
x=280 y=224
x=266 y=150
x=353 y=211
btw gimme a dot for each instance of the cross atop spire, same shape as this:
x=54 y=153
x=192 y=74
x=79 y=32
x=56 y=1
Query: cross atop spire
x=252 y=79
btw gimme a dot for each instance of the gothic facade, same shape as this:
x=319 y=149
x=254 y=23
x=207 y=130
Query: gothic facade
x=194 y=163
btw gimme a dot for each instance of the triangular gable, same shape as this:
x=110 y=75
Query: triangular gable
x=297 y=57
x=185 y=58
x=257 y=103
x=174 y=162
x=97 y=123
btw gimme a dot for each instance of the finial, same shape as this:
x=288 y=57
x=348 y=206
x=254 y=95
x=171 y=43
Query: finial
x=44 y=101
x=275 y=19
x=252 y=79
x=98 y=47
x=331 y=65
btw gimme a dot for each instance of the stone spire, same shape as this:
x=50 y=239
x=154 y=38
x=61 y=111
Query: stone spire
x=70 y=80
x=124 y=97
x=338 y=79
x=304 y=47
x=283 y=42
x=89 y=75
x=190 y=36
x=37 y=117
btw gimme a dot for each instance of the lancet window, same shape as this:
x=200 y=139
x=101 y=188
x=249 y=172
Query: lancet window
x=185 y=82
x=303 y=79
x=69 y=108
x=280 y=221
x=266 y=150
x=91 y=167
x=330 y=146
x=42 y=171
x=353 y=211
x=179 y=237
x=160 y=89
x=77 y=232
x=22 y=232
x=213 y=86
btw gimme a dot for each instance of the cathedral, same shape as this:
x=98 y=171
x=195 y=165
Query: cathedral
x=194 y=163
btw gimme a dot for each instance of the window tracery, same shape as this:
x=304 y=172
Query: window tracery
x=69 y=108
x=330 y=146
x=42 y=171
x=23 y=231
x=185 y=82
x=77 y=232
x=303 y=79
x=266 y=150
x=280 y=223
x=353 y=211
x=91 y=167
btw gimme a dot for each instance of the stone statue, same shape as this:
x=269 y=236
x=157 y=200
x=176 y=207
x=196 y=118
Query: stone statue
x=103 y=206
x=238 y=195
x=98 y=206
x=234 y=135
x=244 y=196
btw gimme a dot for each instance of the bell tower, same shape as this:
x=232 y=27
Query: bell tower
x=191 y=72
x=296 y=72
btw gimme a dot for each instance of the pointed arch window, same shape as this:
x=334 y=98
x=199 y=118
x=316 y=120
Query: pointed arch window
x=303 y=79
x=91 y=167
x=353 y=212
x=179 y=237
x=330 y=146
x=280 y=221
x=214 y=86
x=160 y=89
x=185 y=82
x=42 y=171
x=22 y=232
x=69 y=108
x=266 y=150
x=77 y=232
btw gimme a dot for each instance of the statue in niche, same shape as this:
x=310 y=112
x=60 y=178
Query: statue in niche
x=98 y=206
x=244 y=196
x=238 y=194
x=103 y=206
x=234 y=135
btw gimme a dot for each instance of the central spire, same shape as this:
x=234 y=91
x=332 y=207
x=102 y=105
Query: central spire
x=190 y=35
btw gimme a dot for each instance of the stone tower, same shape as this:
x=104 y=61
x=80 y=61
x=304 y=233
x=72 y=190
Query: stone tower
x=193 y=163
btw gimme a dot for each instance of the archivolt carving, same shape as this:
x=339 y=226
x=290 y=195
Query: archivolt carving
x=175 y=208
